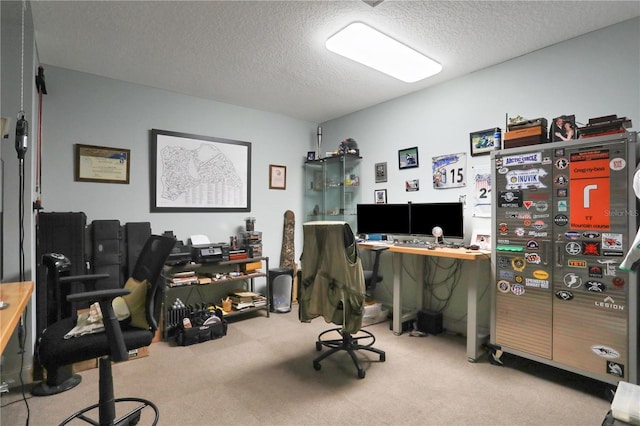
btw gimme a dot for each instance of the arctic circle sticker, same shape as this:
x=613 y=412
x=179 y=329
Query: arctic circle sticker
x=504 y=286
x=617 y=164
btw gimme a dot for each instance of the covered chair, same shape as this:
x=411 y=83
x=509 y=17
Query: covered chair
x=142 y=295
x=333 y=286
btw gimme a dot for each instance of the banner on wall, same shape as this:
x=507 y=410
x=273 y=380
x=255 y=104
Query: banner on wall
x=481 y=191
x=450 y=171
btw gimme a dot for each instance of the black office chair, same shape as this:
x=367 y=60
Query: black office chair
x=372 y=276
x=321 y=241
x=54 y=351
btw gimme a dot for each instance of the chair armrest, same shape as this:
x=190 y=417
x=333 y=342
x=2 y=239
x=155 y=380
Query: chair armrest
x=98 y=295
x=89 y=279
x=379 y=248
x=111 y=324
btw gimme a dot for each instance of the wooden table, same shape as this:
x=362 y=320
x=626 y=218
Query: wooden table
x=473 y=342
x=17 y=295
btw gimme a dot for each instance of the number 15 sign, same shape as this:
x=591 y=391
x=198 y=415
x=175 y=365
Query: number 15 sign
x=450 y=171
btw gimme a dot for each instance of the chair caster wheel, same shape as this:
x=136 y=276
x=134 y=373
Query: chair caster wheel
x=361 y=374
x=316 y=366
x=318 y=346
x=383 y=358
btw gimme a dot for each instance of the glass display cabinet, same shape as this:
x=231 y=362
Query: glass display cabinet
x=332 y=189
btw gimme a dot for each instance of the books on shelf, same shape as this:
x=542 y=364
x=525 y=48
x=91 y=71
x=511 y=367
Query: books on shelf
x=183 y=278
x=242 y=299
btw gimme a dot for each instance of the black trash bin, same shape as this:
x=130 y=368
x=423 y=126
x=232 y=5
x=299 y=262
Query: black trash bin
x=280 y=289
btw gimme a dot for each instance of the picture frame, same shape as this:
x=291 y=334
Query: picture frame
x=102 y=164
x=483 y=142
x=195 y=173
x=481 y=238
x=408 y=158
x=563 y=128
x=381 y=172
x=277 y=177
x=380 y=196
x=311 y=156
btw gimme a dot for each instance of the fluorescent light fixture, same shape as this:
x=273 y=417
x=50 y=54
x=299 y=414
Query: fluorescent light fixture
x=361 y=43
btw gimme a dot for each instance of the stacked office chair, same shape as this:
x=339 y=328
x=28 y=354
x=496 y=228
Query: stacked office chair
x=333 y=286
x=112 y=345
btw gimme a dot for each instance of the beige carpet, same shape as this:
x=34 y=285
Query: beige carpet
x=262 y=373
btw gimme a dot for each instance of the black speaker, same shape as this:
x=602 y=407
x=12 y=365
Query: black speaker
x=280 y=289
x=430 y=322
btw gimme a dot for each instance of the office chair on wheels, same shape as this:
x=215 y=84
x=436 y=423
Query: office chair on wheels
x=333 y=286
x=142 y=294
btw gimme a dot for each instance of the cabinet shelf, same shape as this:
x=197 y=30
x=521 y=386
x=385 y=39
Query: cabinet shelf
x=194 y=295
x=332 y=189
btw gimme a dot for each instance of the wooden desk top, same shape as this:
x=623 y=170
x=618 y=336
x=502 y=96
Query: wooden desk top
x=17 y=295
x=453 y=253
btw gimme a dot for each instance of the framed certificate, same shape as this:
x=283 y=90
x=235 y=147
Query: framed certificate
x=102 y=164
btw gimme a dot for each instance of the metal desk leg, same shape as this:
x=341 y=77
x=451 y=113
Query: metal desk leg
x=472 y=313
x=397 y=294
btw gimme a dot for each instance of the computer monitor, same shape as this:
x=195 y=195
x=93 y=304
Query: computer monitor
x=383 y=219
x=448 y=216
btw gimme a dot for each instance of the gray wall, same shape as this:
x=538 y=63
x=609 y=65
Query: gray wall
x=592 y=75
x=10 y=88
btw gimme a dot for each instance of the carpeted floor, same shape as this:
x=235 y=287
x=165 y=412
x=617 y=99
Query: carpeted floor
x=261 y=373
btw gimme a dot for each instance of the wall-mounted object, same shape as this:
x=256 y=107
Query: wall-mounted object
x=192 y=173
x=277 y=177
x=102 y=164
x=484 y=141
x=408 y=158
x=381 y=172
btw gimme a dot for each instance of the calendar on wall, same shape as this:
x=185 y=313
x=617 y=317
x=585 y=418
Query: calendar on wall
x=450 y=171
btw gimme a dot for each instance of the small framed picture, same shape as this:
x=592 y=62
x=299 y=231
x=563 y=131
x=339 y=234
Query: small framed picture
x=381 y=172
x=481 y=238
x=563 y=128
x=408 y=158
x=311 y=156
x=380 y=196
x=484 y=141
x=277 y=177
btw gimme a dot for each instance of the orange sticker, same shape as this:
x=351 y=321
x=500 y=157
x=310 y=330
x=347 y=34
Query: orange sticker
x=590 y=191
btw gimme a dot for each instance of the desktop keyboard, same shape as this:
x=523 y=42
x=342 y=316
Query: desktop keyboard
x=416 y=244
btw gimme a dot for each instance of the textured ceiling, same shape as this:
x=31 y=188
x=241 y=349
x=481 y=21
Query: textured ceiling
x=270 y=55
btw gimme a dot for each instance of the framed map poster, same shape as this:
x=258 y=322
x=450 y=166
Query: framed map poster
x=192 y=173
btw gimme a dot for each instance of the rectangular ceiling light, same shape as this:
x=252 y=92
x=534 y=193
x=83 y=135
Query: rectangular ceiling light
x=361 y=43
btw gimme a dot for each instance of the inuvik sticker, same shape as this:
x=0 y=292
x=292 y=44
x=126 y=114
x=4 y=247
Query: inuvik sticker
x=605 y=351
x=523 y=179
